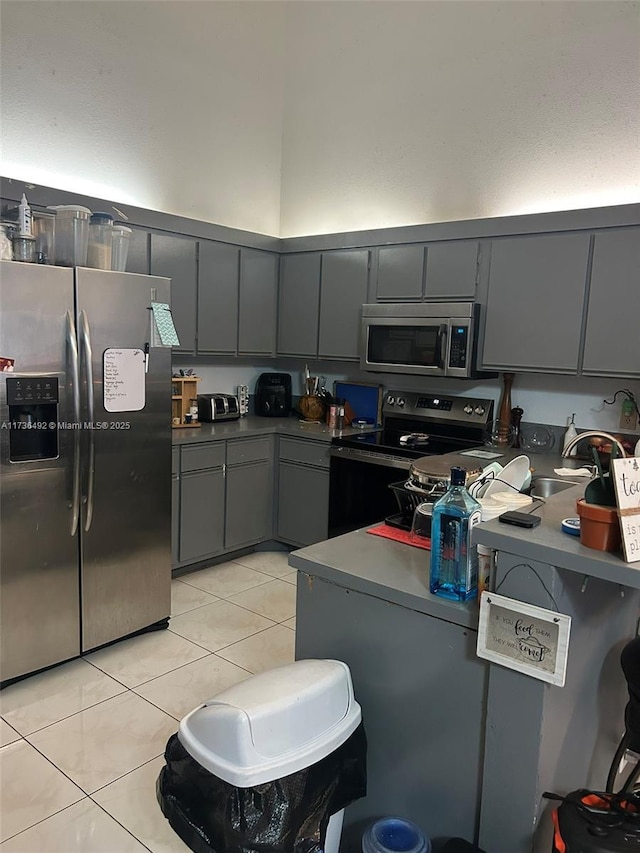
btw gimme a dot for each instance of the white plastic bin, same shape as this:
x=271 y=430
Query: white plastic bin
x=274 y=724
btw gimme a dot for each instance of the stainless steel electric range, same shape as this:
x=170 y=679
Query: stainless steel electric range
x=414 y=425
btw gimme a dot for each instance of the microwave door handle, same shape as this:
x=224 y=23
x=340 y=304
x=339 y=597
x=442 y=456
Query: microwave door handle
x=88 y=365
x=75 y=389
x=441 y=346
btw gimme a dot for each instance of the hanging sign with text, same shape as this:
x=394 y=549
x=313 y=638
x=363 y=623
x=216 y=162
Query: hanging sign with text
x=524 y=637
x=626 y=477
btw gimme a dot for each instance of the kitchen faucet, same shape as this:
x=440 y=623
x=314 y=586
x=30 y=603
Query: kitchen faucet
x=589 y=434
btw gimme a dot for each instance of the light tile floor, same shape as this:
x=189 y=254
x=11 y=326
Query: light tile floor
x=81 y=745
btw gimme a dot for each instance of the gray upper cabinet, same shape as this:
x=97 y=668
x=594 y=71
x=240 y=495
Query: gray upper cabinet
x=258 y=302
x=535 y=296
x=218 y=283
x=611 y=341
x=138 y=254
x=343 y=290
x=175 y=258
x=299 y=304
x=451 y=270
x=443 y=270
x=400 y=272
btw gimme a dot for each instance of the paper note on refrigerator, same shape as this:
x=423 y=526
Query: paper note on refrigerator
x=124 y=380
x=164 y=326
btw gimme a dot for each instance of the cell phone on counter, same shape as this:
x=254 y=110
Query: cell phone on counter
x=520 y=519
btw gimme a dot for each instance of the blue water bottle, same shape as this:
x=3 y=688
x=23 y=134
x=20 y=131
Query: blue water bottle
x=454 y=559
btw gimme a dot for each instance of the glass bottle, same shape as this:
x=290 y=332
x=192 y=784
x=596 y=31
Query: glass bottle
x=454 y=560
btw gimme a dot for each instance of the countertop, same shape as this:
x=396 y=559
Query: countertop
x=399 y=573
x=253 y=425
x=548 y=544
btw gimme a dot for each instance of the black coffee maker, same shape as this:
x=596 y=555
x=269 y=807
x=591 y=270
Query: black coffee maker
x=273 y=395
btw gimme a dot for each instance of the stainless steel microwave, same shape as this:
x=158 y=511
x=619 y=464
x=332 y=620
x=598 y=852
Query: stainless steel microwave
x=422 y=338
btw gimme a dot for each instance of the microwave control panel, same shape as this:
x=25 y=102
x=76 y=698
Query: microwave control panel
x=459 y=345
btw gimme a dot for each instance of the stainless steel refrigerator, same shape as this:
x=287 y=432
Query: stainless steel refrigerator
x=85 y=466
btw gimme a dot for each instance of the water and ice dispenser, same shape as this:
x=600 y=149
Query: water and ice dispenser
x=33 y=416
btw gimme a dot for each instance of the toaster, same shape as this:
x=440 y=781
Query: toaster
x=217 y=407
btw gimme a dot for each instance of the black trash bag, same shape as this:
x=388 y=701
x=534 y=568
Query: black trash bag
x=288 y=815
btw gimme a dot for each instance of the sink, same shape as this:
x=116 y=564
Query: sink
x=545 y=487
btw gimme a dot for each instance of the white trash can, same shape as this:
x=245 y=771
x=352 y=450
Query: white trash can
x=273 y=725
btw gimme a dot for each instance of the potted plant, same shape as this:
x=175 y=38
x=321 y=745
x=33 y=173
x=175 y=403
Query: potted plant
x=598 y=511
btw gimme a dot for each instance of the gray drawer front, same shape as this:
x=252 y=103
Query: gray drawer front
x=175 y=460
x=306 y=452
x=249 y=450
x=202 y=456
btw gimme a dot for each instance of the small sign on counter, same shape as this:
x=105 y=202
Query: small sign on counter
x=626 y=474
x=524 y=637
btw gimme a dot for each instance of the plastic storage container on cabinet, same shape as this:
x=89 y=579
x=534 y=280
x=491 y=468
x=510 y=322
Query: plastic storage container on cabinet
x=72 y=234
x=269 y=763
x=100 y=238
x=120 y=247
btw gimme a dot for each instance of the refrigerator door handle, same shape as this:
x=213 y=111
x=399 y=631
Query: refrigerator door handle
x=75 y=379
x=85 y=337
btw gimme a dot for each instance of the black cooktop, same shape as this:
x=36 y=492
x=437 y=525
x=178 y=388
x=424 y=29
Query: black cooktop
x=388 y=441
x=421 y=424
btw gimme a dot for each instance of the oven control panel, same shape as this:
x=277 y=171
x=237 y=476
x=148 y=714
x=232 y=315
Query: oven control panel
x=437 y=407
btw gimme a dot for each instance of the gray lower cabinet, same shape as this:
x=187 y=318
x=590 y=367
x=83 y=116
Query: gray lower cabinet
x=299 y=305
x=248 y=502
x=534 y=302
x=257 y=302
x=222 y=497
x=176 y=258
x=202 y=498
x=303 y=491
x=218 y=285
x=343 y=290
x=249 y=491
x=416 y=271
x=611 y=339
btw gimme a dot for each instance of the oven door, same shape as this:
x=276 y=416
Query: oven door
x=359 y=493
x=405 y=345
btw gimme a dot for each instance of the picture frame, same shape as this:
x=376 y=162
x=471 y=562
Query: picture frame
x=523 y=637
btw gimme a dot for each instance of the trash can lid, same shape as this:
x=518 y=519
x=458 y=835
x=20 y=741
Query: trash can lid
x=273 y=724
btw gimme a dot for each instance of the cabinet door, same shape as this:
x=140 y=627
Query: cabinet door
x=258 y=302
x=451 y=270
x=343 y=291
x=400 y=272
x=303 y=504
x=175 y=519
x=218 y=283
x=534 y=303
x=138 y=254
x=201 y=514
x=249 y=491
x=175 y=258
x=299 y=305
x=611 y=343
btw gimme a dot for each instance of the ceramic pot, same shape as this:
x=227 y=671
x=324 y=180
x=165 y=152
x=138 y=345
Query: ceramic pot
x=599 y=526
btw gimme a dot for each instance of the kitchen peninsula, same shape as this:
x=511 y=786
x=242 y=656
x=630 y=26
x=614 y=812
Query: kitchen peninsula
x=460 y=745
